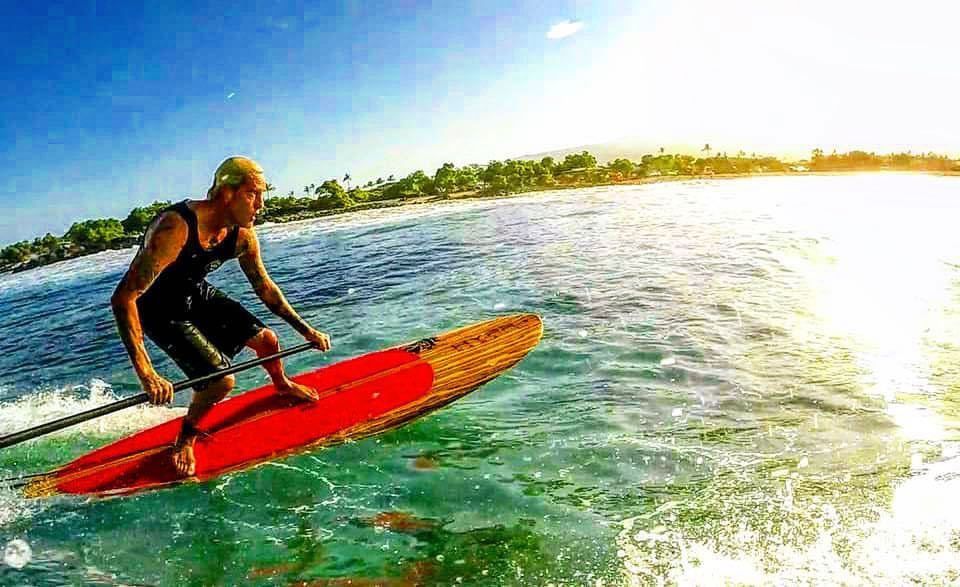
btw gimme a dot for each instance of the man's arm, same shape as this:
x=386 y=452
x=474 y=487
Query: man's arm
x=162 y=244
x=269 y=292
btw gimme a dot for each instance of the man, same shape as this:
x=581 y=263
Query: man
x=165 y=295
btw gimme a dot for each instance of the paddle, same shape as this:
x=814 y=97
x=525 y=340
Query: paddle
x=18 y=437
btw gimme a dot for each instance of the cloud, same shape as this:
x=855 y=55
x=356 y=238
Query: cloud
x=280 y=24
x=564 y=29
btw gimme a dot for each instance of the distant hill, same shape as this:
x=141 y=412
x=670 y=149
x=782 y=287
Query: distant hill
x=605 y=152
x=635 y=150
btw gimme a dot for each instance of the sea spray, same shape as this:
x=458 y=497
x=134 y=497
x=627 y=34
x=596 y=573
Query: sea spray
x=813 y=541
x=63 y=273
x=47 y=405
x=58 y=448
x=13 y=506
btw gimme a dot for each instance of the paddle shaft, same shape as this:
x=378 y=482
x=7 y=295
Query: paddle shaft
x=18 y=437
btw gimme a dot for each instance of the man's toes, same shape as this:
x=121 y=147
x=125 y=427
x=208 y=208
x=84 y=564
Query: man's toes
x=307 y=392
x=184 y=464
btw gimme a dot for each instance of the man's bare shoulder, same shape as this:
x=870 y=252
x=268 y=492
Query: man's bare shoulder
x=169 y=229
x=162 y=243
x=247 y=241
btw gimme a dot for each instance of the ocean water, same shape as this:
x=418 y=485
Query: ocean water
x=753 y=381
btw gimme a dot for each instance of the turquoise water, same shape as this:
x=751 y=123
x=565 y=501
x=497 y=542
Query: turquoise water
x=745 y=382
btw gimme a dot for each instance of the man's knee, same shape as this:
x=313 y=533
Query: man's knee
x=266 y=338
x=219 y=388
x=226 y=383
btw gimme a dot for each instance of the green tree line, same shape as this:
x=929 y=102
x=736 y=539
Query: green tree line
x=494 y=178
x=84 y=237
x=862 y=160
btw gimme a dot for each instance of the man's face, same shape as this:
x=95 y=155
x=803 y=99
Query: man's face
x=247 y=201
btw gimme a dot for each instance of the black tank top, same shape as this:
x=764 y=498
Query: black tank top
x=173 y=291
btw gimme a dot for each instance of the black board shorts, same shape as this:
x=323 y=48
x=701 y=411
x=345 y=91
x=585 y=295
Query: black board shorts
x=203 y=338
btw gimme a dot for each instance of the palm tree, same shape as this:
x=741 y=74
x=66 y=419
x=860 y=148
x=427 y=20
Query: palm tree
x=270 y=187
x=346 y=180
x=706 y=149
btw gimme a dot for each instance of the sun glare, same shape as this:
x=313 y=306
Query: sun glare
x=882 y=283
x=776 y=76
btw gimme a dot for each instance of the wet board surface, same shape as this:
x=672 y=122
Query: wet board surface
x=359 y=397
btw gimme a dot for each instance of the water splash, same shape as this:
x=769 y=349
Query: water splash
x=63 y=273
x=804 y=539
x=14 y=507
x=46 y=405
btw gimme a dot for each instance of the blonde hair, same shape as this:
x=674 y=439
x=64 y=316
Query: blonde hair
x=233 y=172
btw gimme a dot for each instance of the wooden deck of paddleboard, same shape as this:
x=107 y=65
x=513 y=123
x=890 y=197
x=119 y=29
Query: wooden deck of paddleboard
x=359 y=397
x=462 y=360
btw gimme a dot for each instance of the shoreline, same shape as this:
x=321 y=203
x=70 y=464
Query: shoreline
x=479 y=195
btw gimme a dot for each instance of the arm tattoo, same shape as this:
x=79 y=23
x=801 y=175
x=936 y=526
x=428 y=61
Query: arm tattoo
x=266 y=289
x=162 y=244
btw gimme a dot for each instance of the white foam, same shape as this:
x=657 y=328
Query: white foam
x=914 y=541
x=365 y=218
x=44 y=406
x=47 y=405
x=70 y=270
x=13 y=506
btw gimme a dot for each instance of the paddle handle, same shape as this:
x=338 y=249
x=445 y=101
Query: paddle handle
x=18 y=437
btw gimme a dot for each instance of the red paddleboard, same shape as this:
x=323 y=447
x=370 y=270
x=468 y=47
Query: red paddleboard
x=358 y=397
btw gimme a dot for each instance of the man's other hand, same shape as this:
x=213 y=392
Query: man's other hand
x=321 y=339
x=157 y=388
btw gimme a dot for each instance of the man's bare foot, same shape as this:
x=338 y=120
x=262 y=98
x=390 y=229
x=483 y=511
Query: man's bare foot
x=296 y=390
x=183 y=460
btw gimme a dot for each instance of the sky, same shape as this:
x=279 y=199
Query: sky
x=111 y=105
